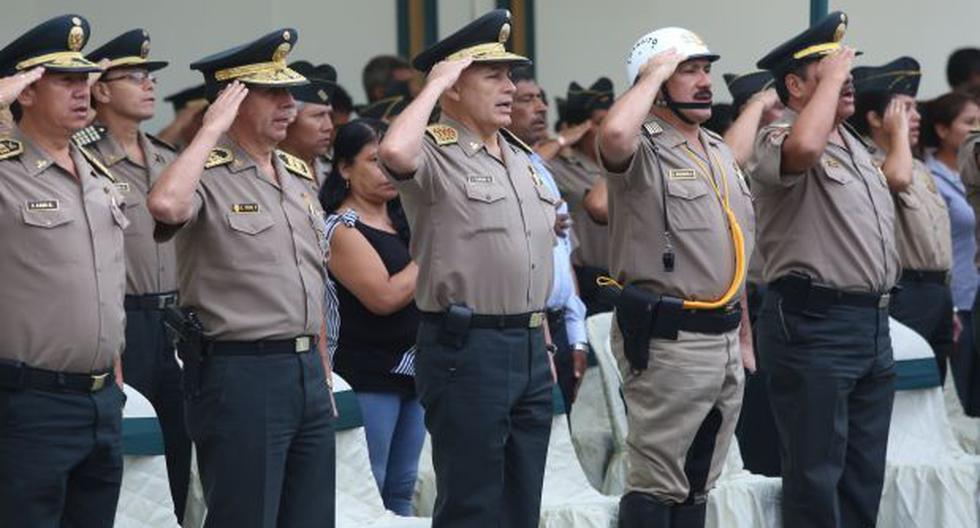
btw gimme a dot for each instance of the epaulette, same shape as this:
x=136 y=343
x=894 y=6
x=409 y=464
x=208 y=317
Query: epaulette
x=160 y=142
x=88 y=135
x=516 y=141
x=217 y=157
x=295 y=165
x=10 y=148
x=442 y=134
x=96 y=164
x=652 y=128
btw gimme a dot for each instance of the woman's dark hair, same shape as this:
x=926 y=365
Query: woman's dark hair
x=875 y=102
x=351 y=139
x=942 y=110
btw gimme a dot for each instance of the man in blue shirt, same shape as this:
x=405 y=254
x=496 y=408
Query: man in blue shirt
x=566 y=311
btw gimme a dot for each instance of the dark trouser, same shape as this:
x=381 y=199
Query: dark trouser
x=564 y=362
x=60 y=457
x=150 y=366
x=927 y=308
x=488 y=407
x=756 y=430
x=263 y=428
x=832 y=386
x=965 y=361
x=589 y=290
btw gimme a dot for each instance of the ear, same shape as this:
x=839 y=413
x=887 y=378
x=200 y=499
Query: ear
x=454 y=93
x=28 y=95
x=794 y=85
x=874 y=119
x=942 y=130
x=100 y=92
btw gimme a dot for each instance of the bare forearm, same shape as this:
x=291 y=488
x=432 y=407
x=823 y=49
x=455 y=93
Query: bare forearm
x=898 y=164
x=740 y=137
x=171 y=200
x=811 y=132
x=620 y=129
x=597 y=202
x=401 y=147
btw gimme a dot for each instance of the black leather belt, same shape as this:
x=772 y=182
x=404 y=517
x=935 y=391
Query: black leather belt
x=268 y=347
x=720 y=321
x=20 y=376
x=151 y=301
x=930 y=276
x=524 y=320
x=800 y=294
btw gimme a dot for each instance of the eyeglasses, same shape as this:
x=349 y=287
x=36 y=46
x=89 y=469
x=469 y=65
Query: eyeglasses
x=135 y=77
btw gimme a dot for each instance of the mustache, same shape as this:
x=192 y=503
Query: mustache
x=703 y=94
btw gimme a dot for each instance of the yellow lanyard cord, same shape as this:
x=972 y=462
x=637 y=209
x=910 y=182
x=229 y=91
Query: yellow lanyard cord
x=738 y=238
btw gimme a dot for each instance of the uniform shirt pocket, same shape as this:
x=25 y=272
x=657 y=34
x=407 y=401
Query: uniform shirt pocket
x=52 y=236
x=688 y=204
x=486 y=206
x=836 y=171
x=46 y=218
x=909 y=201
x=250 y=223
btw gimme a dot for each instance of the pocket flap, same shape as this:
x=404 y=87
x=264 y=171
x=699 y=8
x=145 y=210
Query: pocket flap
x=46 y=217
x=250 y=223
x=686 y=189
x=484 y=192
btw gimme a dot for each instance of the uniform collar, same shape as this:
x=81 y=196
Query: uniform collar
x=241 y=161
x=468 y=141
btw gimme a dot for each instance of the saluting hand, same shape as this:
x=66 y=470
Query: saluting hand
x=768 y=97
x=445 y=73
x=221 y=114
x=836 y=67
x=573 y=134
x=12 y=86
x=661 y=65
x=896 y=119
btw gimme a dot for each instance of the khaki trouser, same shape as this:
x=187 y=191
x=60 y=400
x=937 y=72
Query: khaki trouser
x=667 y=404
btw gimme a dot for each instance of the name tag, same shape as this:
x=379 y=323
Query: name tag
x=681 y=174
x=43 y=205
x=123 y=186
x=480 y=179
x=245 y=208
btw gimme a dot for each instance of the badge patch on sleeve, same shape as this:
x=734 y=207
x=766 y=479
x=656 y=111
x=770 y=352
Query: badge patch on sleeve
x=245 y=208
x=681 y=174
x=43 y=205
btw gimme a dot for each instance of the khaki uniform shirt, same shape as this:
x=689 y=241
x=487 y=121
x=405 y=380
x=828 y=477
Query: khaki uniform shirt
x=251 y=260
x=968 y=161
x=482 y=228
x=835 y=222
x=704 y=253
x=150 y=267
x=921 y=221
x=62 y=268
x=575 y=175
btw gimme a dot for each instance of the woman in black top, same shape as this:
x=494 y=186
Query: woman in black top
x=375 y=277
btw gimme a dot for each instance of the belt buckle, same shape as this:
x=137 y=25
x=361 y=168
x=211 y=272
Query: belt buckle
x=166 y=301
x=98 y=382
x=884 y=300
x=536 y=320
x=302 y=344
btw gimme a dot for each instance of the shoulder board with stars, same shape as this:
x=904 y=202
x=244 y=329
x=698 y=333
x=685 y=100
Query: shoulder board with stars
x=652 y=128
x=295 y=165
x=88 y=135
x=96 y=164
x=516 y=141
x=10 y=148
x=442 y=134
x=218 y=157
x=159 y=142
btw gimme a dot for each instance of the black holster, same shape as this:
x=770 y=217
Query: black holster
x=188 y=334
x=455 y=326
x=643 y=315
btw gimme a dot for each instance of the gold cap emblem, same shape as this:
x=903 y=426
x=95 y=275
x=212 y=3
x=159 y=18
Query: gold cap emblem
x=145 y=49
x=76 y=37
x=281 y=52
x=504 y=33
x=839 y=32
x=322 y=95
x=286 y=35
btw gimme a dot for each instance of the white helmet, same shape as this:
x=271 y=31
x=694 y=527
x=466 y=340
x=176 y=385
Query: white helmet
x=686 y=42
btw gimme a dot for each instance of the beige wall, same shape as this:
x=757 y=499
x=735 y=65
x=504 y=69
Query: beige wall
x=576 y=39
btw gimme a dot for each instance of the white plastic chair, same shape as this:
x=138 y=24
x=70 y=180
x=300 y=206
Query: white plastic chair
x=929 y=480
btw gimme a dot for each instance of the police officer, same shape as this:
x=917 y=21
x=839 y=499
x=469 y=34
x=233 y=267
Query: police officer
x=827 y=237
x=682 y=226
x=250 y=273
x=577 y=172
x=311 y=134
x=63 y=281
x=968 y=162
x=123 y=98
x=886 y=114
x=482 y=234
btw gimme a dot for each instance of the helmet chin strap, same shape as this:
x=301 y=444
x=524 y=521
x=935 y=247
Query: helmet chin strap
x=676 y=107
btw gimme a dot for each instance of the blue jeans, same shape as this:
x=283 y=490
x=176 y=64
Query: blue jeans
x=395 y=433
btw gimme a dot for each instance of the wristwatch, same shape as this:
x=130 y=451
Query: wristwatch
x=580 y=347
x=552 y=349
